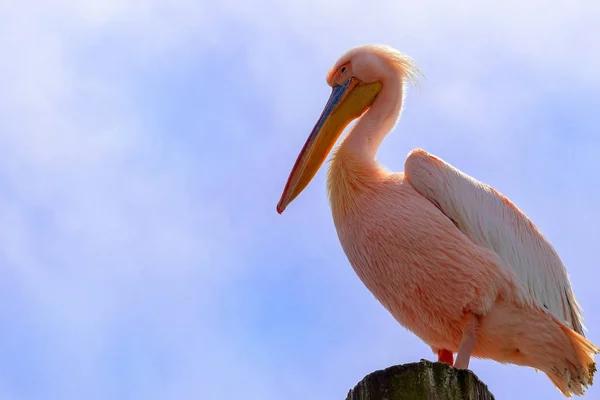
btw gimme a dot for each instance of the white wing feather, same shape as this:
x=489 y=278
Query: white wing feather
x=494 y=222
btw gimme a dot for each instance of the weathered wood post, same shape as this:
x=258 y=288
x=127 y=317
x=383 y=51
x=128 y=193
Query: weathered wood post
x=424 y=380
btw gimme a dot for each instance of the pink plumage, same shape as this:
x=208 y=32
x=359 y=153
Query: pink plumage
x=450 y=258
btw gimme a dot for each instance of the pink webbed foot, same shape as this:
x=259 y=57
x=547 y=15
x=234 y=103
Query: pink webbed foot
x=446 y=356
x=468 y=341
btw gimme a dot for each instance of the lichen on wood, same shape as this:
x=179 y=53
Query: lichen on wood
x=424 y=380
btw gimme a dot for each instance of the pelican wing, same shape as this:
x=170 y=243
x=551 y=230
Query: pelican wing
x=491 y=220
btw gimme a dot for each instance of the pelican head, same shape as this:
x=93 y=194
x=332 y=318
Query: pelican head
x=355 y=79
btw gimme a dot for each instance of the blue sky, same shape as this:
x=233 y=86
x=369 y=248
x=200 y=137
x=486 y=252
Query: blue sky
x=145 y=145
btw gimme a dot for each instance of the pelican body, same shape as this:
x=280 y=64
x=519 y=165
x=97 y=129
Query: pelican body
x=453 y=260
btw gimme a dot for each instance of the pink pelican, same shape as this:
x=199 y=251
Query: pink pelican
x=452 y=259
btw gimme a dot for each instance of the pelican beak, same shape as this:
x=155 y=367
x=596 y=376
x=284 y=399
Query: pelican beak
x=346 y=103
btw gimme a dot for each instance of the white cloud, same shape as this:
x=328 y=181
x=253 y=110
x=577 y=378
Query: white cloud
x=98 y=223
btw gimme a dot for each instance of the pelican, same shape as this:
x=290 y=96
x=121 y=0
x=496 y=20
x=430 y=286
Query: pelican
x=453 y=260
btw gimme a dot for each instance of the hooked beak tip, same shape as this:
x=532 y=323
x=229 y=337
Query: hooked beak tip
x=280 y=208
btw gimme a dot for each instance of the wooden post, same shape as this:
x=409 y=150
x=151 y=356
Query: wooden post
x=424 y=380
